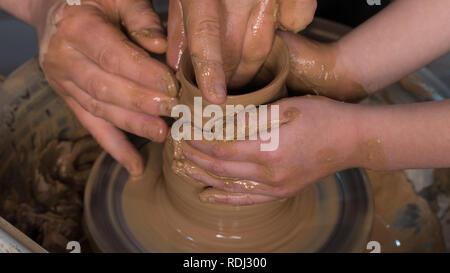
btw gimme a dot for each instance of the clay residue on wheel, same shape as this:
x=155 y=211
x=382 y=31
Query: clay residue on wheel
x=50 y=205
x=403 y=220
x=165 y=214
x=165 y=208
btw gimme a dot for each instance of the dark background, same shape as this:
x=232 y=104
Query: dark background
x=348 y=12
x=18 y=41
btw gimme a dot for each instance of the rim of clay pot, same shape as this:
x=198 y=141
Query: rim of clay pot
x=269 y=89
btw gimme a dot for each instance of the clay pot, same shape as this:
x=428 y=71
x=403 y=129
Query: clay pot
x=271 y=79
x=267 y=86
x=162 y=212
x=175 y=218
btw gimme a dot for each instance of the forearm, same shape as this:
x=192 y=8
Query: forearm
x=29 y=11
x=405 y=36
x=403 y=136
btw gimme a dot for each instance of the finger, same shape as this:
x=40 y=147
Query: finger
x=258 y=42
x=175 y=34
x=189 y=169
x=262 y=136
x=116 y=90
x=147 y=126
x=212 y=195
x=143 y=25
x=234 y=22
x=296 y=15
x=110 y=138
x=229 y=169
x=113 y=52
x=243 y=150
x=203 y=28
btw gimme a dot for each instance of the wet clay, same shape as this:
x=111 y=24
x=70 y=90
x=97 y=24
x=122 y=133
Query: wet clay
x=403 y=221
x=166 y=214
x=52 y=210
x=166 y=210
x=313 y=68
x=370 y=154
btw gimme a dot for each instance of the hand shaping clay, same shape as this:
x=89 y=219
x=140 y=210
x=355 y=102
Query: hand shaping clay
x=163 y=210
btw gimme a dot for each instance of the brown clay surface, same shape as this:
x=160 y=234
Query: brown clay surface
x=51 y=211
x=164 y=211
x=168 y=216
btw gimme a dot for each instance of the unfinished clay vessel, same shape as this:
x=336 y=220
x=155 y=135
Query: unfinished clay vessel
x=162 y=212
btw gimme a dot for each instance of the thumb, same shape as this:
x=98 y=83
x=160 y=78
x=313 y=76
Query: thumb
x=296 y=15
x=143 y=25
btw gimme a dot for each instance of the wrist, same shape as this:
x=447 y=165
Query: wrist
x=369 y=141
x=39 y=11
x=347 y=124
x=348 y=87
x=335 y=133
x=321 y=69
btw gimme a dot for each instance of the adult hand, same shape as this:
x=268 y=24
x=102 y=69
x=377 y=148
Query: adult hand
x=229 y=40
x=105 y=75
x=317 y=138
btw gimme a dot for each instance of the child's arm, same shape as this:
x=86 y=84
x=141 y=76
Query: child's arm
x=320 y=137
x=404 y=136
x=403 y=37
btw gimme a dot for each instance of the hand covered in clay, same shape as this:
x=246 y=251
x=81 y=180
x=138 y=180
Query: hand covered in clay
x=318 y=68
x=105 y=75
x=316 y=139
x=229 y=40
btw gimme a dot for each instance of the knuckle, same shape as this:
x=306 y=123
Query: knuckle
x=95 y=107
x=257 y=54
x=277 y=178
x=97 y=88
x=217 y=169
x=108 y=59
x=218 y=152
x=273 y=157
x=70 y=24
x=207 y=27
x=77 y=23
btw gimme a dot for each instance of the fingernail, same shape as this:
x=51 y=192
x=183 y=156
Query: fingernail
x=206 y=198
x=167 y=105
x=135 y=170
x=220 y=90
x=172 y=85
x=149 y=33
x=178 y=167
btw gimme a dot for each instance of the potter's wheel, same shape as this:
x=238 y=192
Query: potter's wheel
x=343 y=202
x=161 y=211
